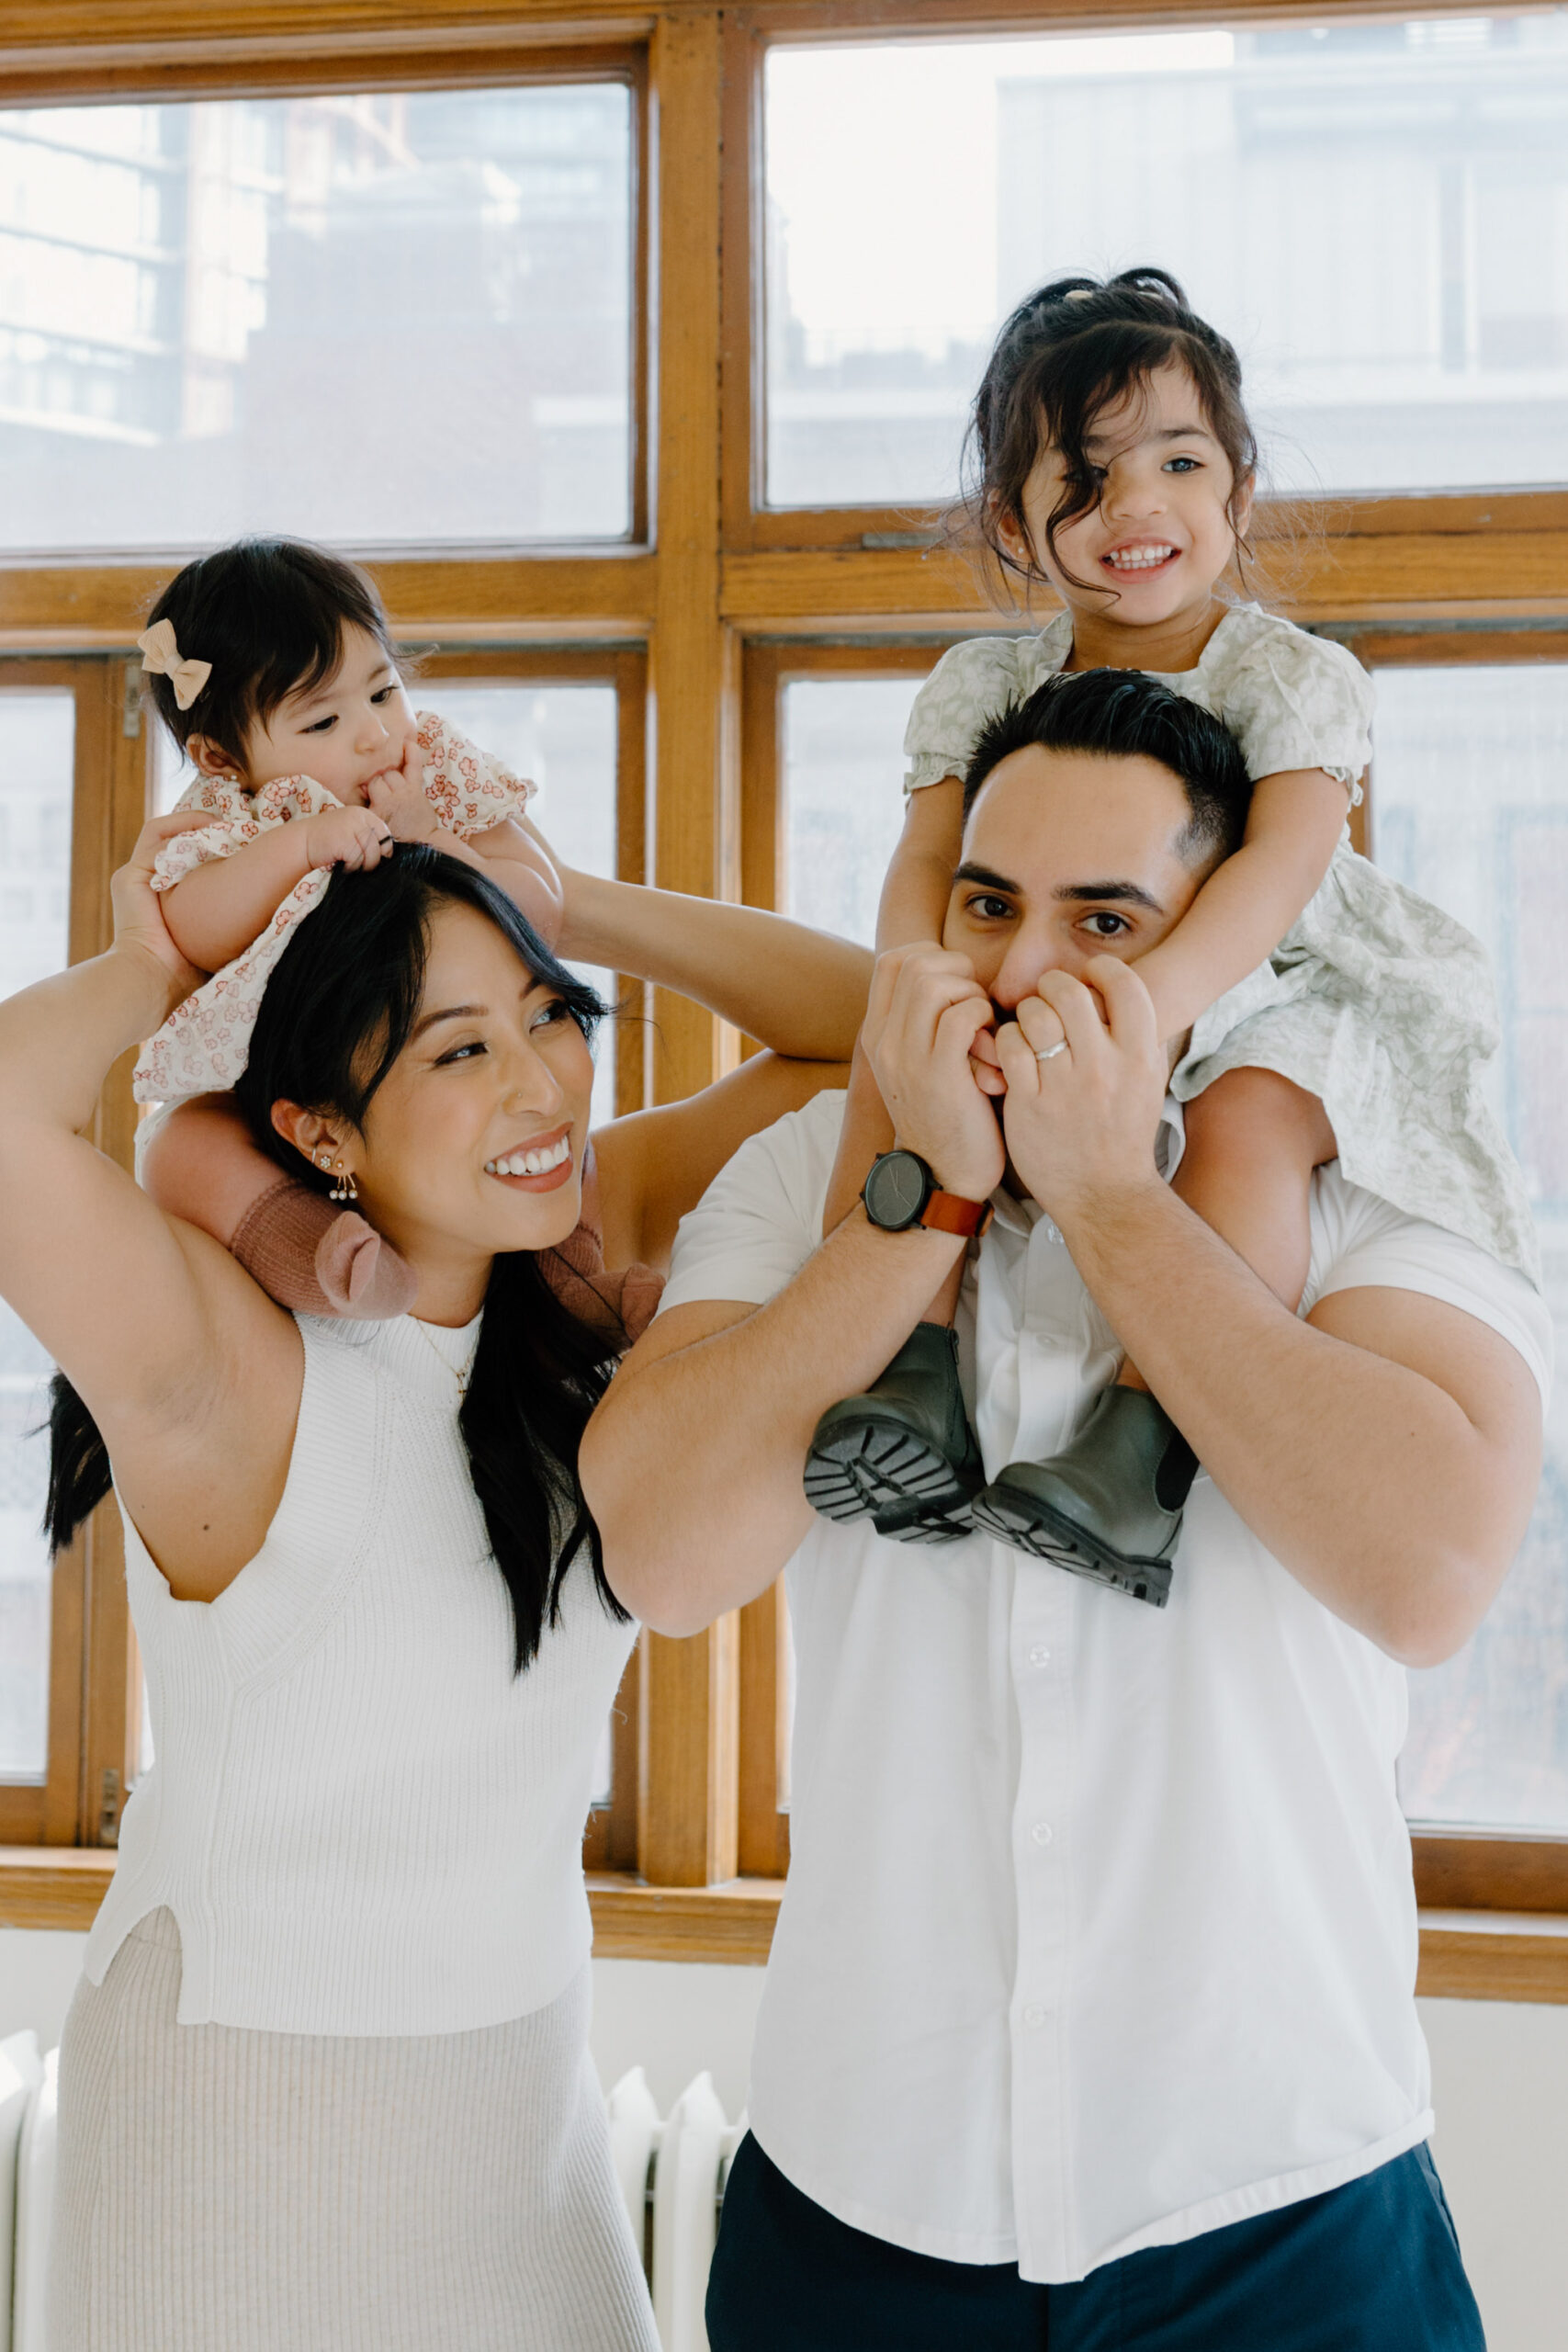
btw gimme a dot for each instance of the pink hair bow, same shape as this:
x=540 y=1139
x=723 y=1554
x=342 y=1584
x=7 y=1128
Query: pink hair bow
x=160 y=654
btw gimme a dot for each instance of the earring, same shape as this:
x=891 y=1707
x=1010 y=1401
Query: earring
x=345 y=1189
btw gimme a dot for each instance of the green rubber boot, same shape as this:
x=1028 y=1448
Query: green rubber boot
x=903 y=1454
x=1109 y=1506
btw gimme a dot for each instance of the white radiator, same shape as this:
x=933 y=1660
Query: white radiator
x=672 y=2171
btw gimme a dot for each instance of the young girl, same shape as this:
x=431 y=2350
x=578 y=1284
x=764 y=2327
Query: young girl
x=1331 y=1013
x=273 y=670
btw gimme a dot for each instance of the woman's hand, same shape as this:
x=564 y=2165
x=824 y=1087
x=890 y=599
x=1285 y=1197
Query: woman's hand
x=138 y=925
x=1081 y=1124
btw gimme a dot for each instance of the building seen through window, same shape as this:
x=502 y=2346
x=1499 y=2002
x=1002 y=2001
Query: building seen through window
x=366 y=320
x=1377 y=214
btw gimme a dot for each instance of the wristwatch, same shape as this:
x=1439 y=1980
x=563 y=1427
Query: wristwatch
x=901 y=1191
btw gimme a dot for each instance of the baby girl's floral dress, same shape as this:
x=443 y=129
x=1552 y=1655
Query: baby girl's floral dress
x=203 y=1046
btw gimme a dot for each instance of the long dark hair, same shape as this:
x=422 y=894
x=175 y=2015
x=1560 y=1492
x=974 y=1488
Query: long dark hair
x=1073 y=349
x=335 y=1015
x=269 y=615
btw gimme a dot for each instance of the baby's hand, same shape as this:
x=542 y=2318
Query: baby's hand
x=357 y=838
x=397 y=797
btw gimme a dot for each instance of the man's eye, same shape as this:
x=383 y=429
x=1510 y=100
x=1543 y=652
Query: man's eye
x=989 y=908
x=1108 y=926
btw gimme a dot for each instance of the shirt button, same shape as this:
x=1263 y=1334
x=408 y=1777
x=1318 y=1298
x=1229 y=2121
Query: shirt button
x=1039 y=1654
x=1035 y=2014
x=1041 y=1833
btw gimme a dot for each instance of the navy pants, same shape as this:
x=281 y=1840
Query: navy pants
x=1373 y=2266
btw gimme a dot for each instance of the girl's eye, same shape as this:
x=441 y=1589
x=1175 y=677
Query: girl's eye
x=989 y=908
x=1183 y=465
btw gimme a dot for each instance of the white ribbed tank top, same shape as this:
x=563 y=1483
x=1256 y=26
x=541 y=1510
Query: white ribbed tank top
x=362 y=1820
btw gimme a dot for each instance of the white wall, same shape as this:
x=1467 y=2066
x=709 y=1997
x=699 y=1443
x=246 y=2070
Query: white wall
x=1501 y=2075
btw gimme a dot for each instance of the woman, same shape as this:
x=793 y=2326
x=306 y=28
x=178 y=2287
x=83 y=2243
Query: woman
x=326 y=2080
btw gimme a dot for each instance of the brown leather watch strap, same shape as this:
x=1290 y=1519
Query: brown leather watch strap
x=948 y=1213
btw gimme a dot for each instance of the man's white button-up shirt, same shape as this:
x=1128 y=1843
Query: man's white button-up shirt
x=1100 y=1930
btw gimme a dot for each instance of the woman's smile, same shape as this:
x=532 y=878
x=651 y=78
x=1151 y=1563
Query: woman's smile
x=542 y=1166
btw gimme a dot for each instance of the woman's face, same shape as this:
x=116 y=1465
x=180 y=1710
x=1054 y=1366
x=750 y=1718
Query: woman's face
x=473 y=1144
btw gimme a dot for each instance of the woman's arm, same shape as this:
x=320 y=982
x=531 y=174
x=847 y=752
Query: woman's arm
x=214 y=914
x=160 y=1333
x=801 y=992
x=1249 y=902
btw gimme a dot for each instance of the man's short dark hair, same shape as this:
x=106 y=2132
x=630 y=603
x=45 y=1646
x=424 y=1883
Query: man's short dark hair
x=1120 y=715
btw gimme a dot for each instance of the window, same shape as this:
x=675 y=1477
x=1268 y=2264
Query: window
x=365 y=317
x=1376 y=213
x=207 y=246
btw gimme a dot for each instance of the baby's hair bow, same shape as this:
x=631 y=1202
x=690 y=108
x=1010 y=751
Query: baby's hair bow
x=160 y=654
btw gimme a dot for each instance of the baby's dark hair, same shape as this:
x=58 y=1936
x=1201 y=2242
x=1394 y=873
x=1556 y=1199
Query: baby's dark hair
x=1122 y=714
x=269 y=615
x=1072 y=350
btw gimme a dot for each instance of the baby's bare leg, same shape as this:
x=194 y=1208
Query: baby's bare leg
x=308 y=1252
x=1253 y=1140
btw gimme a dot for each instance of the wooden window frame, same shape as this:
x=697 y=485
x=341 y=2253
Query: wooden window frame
x=711 y=594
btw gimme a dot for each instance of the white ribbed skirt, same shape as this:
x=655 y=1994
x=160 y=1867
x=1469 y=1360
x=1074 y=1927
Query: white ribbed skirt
x=281 y=2192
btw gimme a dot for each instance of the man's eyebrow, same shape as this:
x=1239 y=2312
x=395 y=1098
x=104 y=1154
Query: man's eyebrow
x=1131 y=894
x=988 y=880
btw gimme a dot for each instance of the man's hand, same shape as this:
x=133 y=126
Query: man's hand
x=926 y=1011
x=1082 y=1123
x=398 y=797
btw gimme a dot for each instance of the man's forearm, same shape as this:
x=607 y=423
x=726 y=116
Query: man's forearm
x=1367 y=1480
x=693 y=1464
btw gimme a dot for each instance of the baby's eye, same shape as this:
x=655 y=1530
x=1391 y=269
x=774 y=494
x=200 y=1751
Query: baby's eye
x=320 y=726
x=384 y=694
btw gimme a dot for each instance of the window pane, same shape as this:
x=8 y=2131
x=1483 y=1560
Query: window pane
x=370 y=319
x=37 y=748
x=843 y=784
x=1471 y=807
x=1377 y=215
x=564 y=738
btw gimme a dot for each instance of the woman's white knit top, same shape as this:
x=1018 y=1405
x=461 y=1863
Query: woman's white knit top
x=364 y=1821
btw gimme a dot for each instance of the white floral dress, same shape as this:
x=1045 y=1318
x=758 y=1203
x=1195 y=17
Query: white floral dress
x=1375 y=1002
x=203 y=1046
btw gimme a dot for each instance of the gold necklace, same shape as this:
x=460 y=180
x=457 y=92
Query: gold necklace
x=462 y=1377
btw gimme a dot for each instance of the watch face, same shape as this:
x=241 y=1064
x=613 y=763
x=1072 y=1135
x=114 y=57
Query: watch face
x=896 y=1191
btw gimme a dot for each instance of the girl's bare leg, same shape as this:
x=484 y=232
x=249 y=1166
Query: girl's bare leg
x=308 y=1252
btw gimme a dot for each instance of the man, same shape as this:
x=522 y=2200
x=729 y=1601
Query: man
x=1089 y=2020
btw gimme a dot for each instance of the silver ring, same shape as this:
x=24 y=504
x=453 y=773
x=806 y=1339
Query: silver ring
x=1051 y=1052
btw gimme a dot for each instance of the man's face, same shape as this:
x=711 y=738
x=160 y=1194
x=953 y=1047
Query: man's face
x=1069 y=855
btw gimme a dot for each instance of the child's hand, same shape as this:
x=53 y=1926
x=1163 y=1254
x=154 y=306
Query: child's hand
x=356 y=837
x=398 y=797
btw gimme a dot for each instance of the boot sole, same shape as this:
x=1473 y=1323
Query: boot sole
x=1030 y=1525
x=865 y=1467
